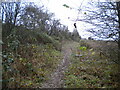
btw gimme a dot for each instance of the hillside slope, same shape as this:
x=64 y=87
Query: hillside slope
x=56 y=78
x=92 y=69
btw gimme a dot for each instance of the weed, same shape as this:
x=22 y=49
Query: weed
x=91 y=71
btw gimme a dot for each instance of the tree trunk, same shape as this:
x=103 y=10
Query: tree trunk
x=118 y=10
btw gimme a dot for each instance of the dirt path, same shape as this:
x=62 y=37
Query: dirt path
x=57 y=76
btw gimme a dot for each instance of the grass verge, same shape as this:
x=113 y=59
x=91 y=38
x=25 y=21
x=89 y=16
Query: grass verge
x=89 y=69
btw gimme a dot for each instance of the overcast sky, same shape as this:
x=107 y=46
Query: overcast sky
x=68 y=16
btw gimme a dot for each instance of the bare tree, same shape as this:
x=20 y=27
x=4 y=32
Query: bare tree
x=9 y=11
x=118 y=14
x=33 y=17
x=105 y=19
x=55 y=25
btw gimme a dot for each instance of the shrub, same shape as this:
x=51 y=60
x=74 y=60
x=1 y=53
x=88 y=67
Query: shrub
x=83 y=43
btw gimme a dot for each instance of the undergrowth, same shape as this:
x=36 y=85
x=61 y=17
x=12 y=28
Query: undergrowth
x=27 y=59
x=89 y=69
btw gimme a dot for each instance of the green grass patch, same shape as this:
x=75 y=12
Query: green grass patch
x=31 y=68
x=91 y=71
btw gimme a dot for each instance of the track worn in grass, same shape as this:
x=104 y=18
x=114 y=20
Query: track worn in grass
x=56 y=78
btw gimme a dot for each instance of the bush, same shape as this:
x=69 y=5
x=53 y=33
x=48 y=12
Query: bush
x=84 y=44
x=28 y=54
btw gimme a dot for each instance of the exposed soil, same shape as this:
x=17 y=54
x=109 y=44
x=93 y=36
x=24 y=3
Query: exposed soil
x=56 y=78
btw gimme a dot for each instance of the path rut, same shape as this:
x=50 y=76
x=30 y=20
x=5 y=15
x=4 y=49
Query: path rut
x=56 y=78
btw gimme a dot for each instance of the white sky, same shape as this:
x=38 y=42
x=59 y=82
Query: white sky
x=67 y=16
